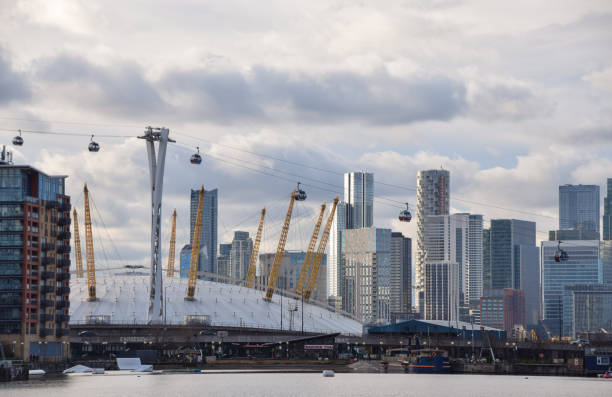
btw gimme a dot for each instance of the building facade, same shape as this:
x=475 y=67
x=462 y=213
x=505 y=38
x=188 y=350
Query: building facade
x=223 y=260
x=579 y=207
x=359 y=197
x=34 y=263
x=208 y=239
x=335 y=273
x=587 y=308
x=506 y=236
x=366 y=261
x=530 y=282
x=401 y=275
x=433 y=198
x=605 y=253
x=475 y=260
x=502 y=308
x=240 y=255
x=441 y=298
x=572 y=234
x=607 y=215
x=582 y=266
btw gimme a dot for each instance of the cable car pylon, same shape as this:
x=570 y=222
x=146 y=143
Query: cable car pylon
x=253 y=261
x=171 y=250
x=195 y=249
x=308 y=258
x=89 y=249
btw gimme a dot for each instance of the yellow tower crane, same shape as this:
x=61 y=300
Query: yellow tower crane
x=312 y=279
x=195 y=249
x=78 y=255
x=89 y=249
x=171 y=254
x=253 y=262
x=309 y=254
x=280 y=251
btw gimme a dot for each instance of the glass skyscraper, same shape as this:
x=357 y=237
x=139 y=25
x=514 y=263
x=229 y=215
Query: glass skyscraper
x=506 y=235
x=607 y=216
x=359 y=196
x=579 y=207
x=208 y=240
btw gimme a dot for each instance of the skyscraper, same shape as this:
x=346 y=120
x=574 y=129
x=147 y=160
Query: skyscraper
x=208 y=240
x=240 y=255
x=359 y=196
x=223 y=260
x=607 y=216
x=433 y=198
x=401 y=277
x=579 y=207
x=506 y=236
x=441 y=291
x=334 y=259
x=475 y=250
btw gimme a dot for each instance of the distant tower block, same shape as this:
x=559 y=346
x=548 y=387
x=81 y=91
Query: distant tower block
x=156 y=170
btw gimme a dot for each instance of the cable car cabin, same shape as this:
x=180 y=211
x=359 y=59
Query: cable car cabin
x=561 y=256
x=405 y=216
x=93 y=146
x=299 y=194
x=196 y=159
x=18 y=140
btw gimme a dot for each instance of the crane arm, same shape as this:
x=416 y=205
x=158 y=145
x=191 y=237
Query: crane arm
x=171 y=251
x=309 y=254
x=78 y=255
x=280 y=251
x=195 y=249
x=253 y=261
x=89 y=249
x=312 y=279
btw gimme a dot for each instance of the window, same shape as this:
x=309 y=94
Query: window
x=603 y=360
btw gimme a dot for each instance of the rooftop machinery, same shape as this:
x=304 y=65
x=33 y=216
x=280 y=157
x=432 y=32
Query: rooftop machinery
x=195 y=249
x=304 y=271
x=89 y=250
x=299 y=195
x=78 y=257
x=314 y=272
x=255 y=252
x=171 y=251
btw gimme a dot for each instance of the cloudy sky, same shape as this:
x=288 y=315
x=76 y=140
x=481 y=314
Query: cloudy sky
x=513 y=98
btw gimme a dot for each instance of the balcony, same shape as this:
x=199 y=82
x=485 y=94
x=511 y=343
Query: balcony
x=63 y=248
x=45 y=289
x=47 y=275
x=64 y=207
x=63 y=235
x=45 y=332
x=61 y=332
x=62 y=304
x=48 y=260
x=62 y=276
x=43 y=317
x=63 y=262
x=51 y=204
x=63 y=290
x=63 y=220
x=47 y=246
x=62 y=317
x=44 y=303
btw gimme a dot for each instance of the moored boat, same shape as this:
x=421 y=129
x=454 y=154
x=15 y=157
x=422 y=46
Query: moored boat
x=429 y=361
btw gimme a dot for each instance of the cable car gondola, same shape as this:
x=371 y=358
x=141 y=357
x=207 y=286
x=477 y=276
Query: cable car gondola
x=405 y=215
x=560 y=254
x=196 y=158
x=299 y=194
x=93 y=145
x=18 y=140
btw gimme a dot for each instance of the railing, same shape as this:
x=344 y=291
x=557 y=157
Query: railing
x=64 y=207
x=62 y=317
x=45 y=289
x=63 y=220
x=63 y=290
x=63 y=248
x=46 y=275
x=47 y=246
x=63 y=235
x=48 y=260
x=62 y=304
x=51 y=204
x=46 y=303
x=63 y=262
x=62 y=276
x=45 y=317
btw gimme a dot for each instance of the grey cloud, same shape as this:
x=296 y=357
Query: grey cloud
x=120 y=89
x=508 y=102
x=13 y=86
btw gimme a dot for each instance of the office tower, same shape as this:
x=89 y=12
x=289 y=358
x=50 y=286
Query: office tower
x=529 y=259
x=587 y=308
x=223 y=260
x=334 y=260
x=572 y=234
x=607 y=216
x=208 y=240
x=446 y=241
x=502 y=309
x=433 y=191
x=367 y=273
x=289 y=273
x=605 y=253
x=579 y=207
x=582 y=266
x=240 y=255
x=441 y=297
x=35 y=262
x=359 y=197
x=475 y=260
x=506 y=235
x=401 y=280
x=486 y=259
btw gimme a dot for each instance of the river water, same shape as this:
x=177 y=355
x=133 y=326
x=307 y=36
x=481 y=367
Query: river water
x=308 y=384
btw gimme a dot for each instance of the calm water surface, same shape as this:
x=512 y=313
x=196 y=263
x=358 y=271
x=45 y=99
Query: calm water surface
x=273 y=385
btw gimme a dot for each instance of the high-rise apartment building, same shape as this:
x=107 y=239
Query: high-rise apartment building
x=475 y=259
x=607 y=216
x=579 y=207
x=582 y=266
x=486 y=259
x=208 y=239
x=441 y=297
x=433 y=198
x=401 y=277
x=240 y=255
x=223 y=260
x=502 y=309
x=34 y=262
x=359 y=197
x=367 y=273
x=334 y=259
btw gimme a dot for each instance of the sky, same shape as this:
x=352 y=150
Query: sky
x=514 y=98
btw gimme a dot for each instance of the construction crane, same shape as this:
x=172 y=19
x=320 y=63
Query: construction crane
x=253 y=261
x=89 y=249
x=309 y=254
x=280 y=249
x=170 y=270
x=195 y=249
x=312 y=278
x=78 y=255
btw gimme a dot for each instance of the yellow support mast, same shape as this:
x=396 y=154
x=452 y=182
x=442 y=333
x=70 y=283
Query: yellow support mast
x=312 y=279
x=89 y=249
x=195 y=249
x=78 y=255
x=309 y=254
x=253 y=262
x=280 y=251
x=171 y=251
